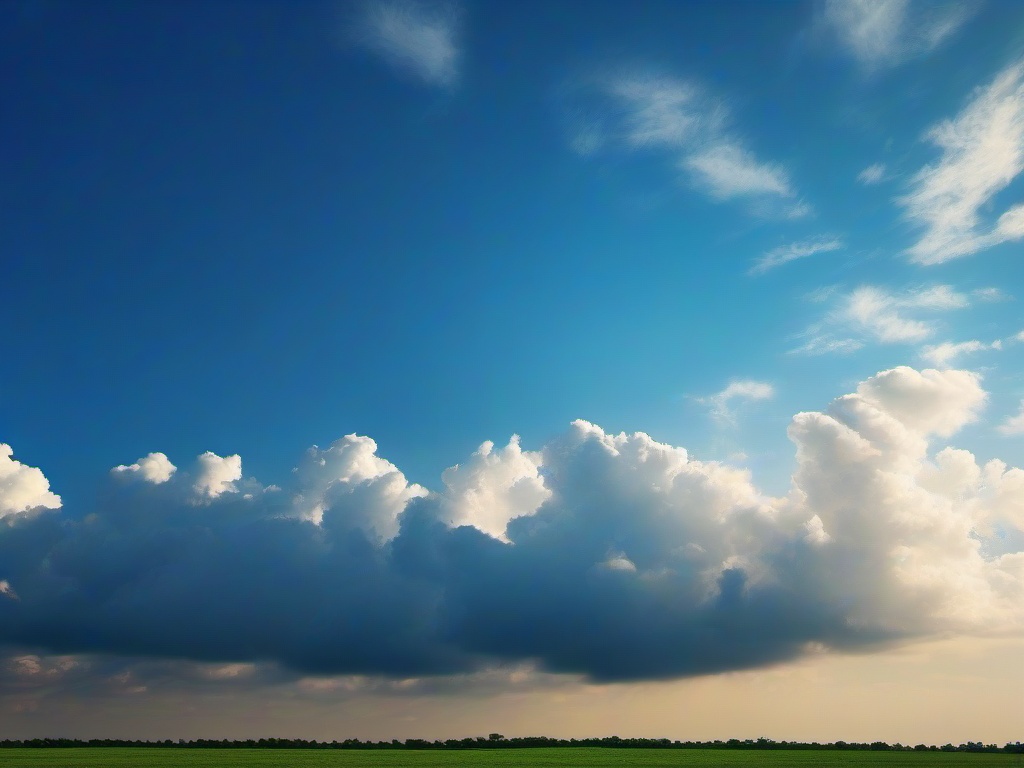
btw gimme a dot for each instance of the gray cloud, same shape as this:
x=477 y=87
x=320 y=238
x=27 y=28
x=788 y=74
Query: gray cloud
x=614 y=557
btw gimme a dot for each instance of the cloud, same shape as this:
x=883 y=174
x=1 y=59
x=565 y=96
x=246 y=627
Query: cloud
x=493 y=488
x=683 y=121
x=943 y=354
x=659 y=112
x=872 y=313
x=883 y=33
x=414 y=37
x=155 y=468
x=351 y=479
x=215 y=475
x=787 y=253
x=22 y=488
x=982 y=152
x=727 y=170
x=873 y=174
x=1015 y=424
x=610 y=556
x=738 y=389
x=991 y=295
x=823 y=344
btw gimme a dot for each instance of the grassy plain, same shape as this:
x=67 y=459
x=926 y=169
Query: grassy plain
x=116 y=757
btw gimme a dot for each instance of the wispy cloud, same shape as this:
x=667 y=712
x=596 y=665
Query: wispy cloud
x=884 y=316
x=875 y=314
x=982 y=152
x=416 y=38
x=1015 y=424
x=873 y=174
x=942 y=355
x=991 y=295
x=727 y=170
x=659 y=111
x=787 y=253
x=883 y=33
x=721 y=403
x=682 y=120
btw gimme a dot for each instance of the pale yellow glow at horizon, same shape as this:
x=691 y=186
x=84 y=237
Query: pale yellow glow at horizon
x=945 y=691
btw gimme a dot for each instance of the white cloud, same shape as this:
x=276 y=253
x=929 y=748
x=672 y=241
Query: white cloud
x=155 y=468
x=873 y=174
x=882 y=33
x=349 y=484
x=7 y=591
x=413 y=36
x=787 y=253
x=1015 y=424
x=494 y=487
x=991 y=294
x=721 y=403
x=926 y=402
x=22 y=488
x=680 y=119
x=982 y=152
x=878 y=313
x=872 y=313
x=727 y=170
x=660 y=111
x=945 y=353
x=824 y=345
x=215 y=474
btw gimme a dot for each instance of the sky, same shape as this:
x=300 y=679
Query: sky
x=420 y=370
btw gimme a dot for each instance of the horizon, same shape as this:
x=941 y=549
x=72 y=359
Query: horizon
x=405 y=367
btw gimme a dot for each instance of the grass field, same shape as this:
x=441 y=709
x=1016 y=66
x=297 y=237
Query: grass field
x=584 y=757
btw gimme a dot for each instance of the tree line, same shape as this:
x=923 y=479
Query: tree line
x=498 y=741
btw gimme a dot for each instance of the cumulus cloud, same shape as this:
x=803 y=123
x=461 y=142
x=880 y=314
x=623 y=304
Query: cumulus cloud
x=873 y=313
x=883 y=33
x=799 y=250
x=494 y=487
x=350 y=476
x=945 y=353
x=215 y=475
x=684 y=122
x=414 y=37
x=155 y=468
x=22 y=488
x=873 y=174
x=611 y=556
x=982 y=152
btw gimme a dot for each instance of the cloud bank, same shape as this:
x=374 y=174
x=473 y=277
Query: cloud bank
x=615 y=557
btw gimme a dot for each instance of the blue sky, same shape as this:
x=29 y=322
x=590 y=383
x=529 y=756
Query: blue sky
x=253 y=228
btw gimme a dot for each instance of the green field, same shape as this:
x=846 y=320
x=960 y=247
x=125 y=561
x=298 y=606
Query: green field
x=116 y=757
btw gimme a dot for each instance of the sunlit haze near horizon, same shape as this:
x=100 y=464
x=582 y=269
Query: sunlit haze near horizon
x=401 y=369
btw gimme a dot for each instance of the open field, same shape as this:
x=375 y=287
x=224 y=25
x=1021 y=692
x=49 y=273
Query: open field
x=117 y=757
